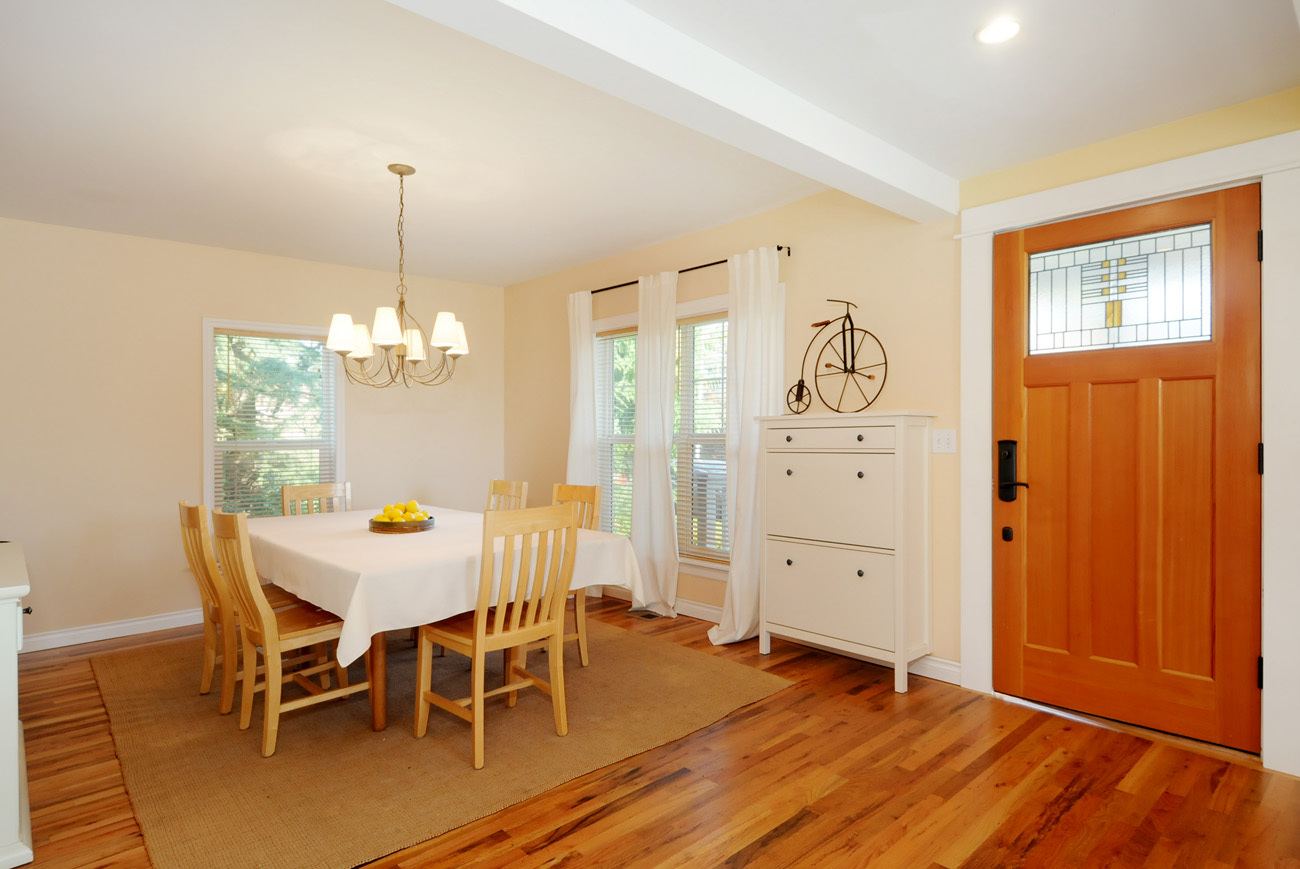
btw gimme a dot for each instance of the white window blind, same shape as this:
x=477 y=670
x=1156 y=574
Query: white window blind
x=615 y=362
x=273 y=415
x=700 y=439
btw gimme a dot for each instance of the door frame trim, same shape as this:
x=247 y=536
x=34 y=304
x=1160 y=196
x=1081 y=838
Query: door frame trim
x=1275 y=163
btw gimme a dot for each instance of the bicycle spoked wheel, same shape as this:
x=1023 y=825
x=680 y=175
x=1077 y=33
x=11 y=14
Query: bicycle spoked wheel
x=799 y=398
x=851 y=370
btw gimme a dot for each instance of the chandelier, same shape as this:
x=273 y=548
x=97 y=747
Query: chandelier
x=398 y=350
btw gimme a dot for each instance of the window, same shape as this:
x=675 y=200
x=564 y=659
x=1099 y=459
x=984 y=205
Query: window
x=272 y=409
x=1125 y=292
x=699 y=464
x=615 y=362
x=700 y=439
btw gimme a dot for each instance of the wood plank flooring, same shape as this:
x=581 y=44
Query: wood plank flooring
x=838 y=771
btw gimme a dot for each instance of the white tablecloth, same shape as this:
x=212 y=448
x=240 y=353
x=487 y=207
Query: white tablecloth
x=384 y=582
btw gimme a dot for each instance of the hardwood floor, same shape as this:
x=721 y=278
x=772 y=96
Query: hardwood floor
x=835 y=771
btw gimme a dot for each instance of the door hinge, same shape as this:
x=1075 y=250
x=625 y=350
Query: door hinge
x=1259 y=242
x=1261 y=671
x=1261 y=459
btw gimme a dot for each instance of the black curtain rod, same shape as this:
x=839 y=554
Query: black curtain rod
x=721 y=262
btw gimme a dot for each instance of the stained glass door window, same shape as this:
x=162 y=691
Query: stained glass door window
x=1143 y=289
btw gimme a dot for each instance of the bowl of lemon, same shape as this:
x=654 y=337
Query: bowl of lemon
x=401 y=518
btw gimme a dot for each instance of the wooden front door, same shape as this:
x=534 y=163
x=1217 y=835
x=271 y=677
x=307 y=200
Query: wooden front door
x=1127 y=571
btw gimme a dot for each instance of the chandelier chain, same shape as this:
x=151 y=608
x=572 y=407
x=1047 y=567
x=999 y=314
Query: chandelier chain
x=401 y=245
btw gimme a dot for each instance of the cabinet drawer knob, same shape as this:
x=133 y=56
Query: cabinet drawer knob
x=789 y=472
x=789 y=561
x=860 y=573
x=860 y=437
x=861 y=475
x=789 y=438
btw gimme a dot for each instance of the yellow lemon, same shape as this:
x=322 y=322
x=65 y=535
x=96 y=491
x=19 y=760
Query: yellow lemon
x=421 y=516
x=412 y=506
x=408 y=517
x=381 y=518
x=392 y=511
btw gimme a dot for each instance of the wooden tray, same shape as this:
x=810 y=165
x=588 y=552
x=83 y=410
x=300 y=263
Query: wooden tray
x=400 y=527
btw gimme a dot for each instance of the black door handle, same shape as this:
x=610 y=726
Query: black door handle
x=1007 y=483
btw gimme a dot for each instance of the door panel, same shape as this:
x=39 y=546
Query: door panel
x=1130 y=587
x=1186 y=578
x=1047 y=609
x=1113 y=512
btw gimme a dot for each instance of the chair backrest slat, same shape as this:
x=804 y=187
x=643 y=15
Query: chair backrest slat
x=197 y=540
x=535 y=566
x=316 y=498
x=507 y=495
x=586 y=497
x=230 y=532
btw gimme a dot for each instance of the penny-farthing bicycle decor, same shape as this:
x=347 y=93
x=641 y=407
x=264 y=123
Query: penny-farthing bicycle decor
x=850 y=368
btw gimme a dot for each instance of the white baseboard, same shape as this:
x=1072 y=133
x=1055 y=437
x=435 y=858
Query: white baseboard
x=702 y=611
x=941 y=669
x=110 y=630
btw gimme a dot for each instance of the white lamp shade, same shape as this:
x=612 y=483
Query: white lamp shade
x=342 y=338
x=444 y=331
x=387 y=332
x=461 y=347
x=414 y=342
x=361 y=338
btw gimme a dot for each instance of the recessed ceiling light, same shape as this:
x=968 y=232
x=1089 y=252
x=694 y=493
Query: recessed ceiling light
x=998 y=31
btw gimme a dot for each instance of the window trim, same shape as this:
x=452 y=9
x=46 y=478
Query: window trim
x=282 y=330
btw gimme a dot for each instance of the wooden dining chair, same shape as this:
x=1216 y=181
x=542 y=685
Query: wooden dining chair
x=315 y=498
x=588 y=500
x=220 y=633
x=535 y=565
x=277 y=633
x=507 y=495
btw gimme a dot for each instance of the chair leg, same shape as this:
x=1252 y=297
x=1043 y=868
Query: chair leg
x=580 y=618
x=423 y=675
x=557 y=681
x=250 y=684
x=229 y=667
x=271 y=715
x=476 y=704
x=341 y=670
x=209 y=656
x=323 y=657
x=511 y=659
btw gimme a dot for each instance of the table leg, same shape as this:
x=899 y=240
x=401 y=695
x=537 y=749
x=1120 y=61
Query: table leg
x=378 y=667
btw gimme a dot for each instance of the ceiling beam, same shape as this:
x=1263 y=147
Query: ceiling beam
x=621 y=50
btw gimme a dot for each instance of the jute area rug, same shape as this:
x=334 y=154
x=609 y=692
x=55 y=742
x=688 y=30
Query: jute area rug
x=337 y=794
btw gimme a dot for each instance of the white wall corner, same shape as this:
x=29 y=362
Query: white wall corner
x=1280 y=213
x=976 y=450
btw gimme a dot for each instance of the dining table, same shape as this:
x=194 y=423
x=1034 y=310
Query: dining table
x=379 y=582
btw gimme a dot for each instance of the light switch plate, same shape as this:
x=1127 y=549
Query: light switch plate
x=943 y=440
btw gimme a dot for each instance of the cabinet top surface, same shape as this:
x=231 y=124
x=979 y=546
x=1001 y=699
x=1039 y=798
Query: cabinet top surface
x=866 y=416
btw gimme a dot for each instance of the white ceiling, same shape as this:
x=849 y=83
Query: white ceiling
x=548 y=133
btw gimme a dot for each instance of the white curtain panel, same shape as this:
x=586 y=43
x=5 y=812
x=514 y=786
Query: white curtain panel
x=654 y=522
x=582 y=392
x=755 y=367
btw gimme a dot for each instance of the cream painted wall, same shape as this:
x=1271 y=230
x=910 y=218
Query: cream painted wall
x=1233 y=125
x=903 y=276
x=102 y=410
